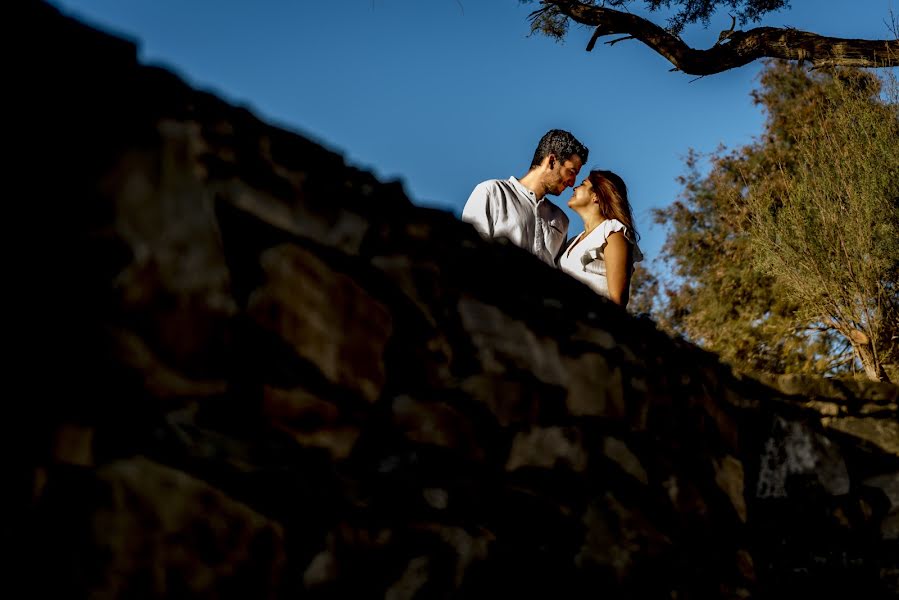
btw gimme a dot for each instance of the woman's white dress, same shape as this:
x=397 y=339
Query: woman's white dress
x=583 y=258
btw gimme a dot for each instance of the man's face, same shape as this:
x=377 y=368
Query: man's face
x=563 y=174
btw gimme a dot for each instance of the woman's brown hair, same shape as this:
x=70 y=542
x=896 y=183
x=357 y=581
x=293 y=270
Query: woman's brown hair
x=612 y=194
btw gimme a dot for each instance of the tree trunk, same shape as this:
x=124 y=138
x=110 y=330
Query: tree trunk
x=865 y=352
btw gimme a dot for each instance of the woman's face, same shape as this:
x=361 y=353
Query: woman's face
x=583 y=195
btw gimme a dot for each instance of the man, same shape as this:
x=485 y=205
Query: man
x=518 y=208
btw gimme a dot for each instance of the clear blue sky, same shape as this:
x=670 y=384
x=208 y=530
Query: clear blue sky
x=443 y=94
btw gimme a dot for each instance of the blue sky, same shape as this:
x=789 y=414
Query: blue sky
x=443 y=94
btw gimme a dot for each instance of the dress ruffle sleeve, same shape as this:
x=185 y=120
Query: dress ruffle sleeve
x=608 y=228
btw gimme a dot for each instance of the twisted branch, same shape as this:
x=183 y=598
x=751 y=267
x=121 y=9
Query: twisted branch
x=741 y=47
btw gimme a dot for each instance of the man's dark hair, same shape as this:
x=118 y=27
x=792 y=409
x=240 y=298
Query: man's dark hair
x=562 y=144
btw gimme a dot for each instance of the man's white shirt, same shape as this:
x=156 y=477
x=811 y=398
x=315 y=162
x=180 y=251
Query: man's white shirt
x=506 y=208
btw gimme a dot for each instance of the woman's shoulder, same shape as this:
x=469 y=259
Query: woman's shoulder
x=610 y=226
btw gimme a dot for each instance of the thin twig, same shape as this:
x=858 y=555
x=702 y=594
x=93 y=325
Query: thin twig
x=621 y=39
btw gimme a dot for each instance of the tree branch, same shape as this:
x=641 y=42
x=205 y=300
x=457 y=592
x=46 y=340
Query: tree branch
x=742 y=48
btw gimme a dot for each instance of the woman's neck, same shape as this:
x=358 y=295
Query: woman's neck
x=591 y=222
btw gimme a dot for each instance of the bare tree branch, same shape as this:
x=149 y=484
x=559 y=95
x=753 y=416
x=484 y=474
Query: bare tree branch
x=741 y=47
x=621 y=39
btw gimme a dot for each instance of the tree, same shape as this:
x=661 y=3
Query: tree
x=718 y=298
x=734 y=48
x=644 y=292
x=829 y=234
x=827 y=136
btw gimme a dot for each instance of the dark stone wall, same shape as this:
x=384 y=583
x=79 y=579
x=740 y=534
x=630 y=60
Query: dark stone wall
x=250 y=371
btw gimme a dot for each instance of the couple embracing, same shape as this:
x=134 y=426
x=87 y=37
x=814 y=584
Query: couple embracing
x=602 y=255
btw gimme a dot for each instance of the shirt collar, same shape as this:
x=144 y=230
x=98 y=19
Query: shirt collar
x=524 y=190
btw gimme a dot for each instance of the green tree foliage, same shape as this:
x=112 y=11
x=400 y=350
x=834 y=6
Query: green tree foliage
x=644 y=292
x=828 y=233
x=731 y=289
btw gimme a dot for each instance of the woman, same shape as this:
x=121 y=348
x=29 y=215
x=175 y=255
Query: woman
x=603 y=255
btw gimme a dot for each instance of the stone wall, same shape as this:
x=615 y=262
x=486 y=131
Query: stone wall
x=251 y=371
